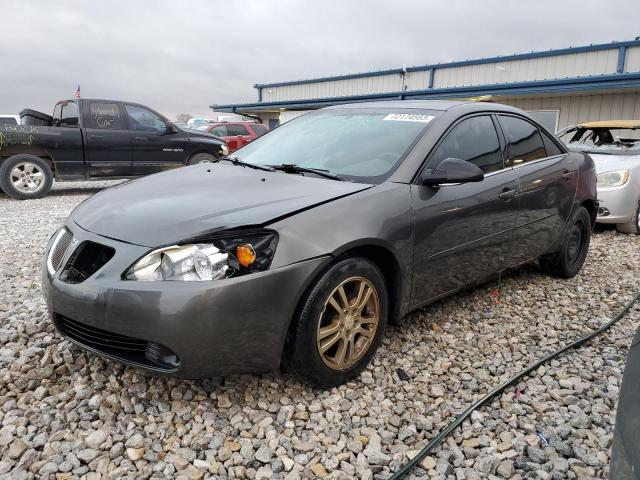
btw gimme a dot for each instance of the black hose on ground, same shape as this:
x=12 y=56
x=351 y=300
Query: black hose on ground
x=407 y=467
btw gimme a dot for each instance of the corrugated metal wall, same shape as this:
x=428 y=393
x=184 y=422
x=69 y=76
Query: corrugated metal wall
x=541 y=68
x=632 y=60
x=580 y=108
x=342 y=88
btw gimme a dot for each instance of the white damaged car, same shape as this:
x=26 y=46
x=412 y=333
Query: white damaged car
x=614 y=146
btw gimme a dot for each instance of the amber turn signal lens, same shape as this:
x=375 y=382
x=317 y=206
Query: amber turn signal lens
x=245 y=254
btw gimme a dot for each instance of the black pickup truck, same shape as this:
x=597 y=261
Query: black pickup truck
x=96 y=140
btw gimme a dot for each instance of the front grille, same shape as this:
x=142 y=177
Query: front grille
x=86 y=260
x=127 y=349
x=58 y=249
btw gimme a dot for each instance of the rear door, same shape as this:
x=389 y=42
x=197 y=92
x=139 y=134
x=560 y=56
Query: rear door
x=464 y=232
x=547 y=178
x=154 y=146
x=107 y=139
x=238 y=135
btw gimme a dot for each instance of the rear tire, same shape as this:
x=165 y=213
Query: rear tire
x=330 y=341
x=25 y=176
x=568 y=260
x=202 y=158
x=633 y=226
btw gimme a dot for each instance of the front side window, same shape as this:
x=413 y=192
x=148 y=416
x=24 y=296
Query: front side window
x=525 y=142
x=219 y=131
x=69 y=115
x=474 y=140
x=360 y=144
x=236 y=130
x=142 y=119
x=105 y=116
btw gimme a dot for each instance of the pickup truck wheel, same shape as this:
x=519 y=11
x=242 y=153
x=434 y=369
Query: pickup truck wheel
x=25 y=176
x=201 y=158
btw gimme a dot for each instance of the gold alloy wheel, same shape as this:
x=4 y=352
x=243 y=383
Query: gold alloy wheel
x=348 y=323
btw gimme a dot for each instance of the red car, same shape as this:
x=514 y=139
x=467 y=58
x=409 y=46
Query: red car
x=236 y=134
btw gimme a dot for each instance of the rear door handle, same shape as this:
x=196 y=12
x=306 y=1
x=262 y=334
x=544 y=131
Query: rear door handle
x=96 y=137
x=507 y=194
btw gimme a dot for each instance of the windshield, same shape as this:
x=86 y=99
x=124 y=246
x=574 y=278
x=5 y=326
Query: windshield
x=613 y=141
x=362 y=145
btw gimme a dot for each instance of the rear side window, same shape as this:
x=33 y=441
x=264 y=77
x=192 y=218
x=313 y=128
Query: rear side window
x=550 y=146
x=525 y=142
x=474 y=140
x=237 y=130
x=105 y=116
x=69 y=115
x=259 y=129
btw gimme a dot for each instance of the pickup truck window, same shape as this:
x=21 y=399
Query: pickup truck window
x=69 y=116
x=105 y=116
x=259 y=129
x=145 y=120
x=57 y=110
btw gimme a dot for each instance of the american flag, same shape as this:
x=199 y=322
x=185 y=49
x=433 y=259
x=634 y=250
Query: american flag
x=78 y=92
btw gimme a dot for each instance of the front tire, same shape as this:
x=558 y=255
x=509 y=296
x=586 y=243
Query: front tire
x=339 y=325
x=567 y=262
x=633 y=226
x=25 y=176
x=202 y=158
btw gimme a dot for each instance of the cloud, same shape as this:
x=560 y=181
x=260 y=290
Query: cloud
x=183 y=56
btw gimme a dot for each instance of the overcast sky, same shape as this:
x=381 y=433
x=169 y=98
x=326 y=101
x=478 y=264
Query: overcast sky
x=182 y=56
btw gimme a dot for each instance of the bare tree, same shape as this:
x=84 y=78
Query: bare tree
x=183 y=117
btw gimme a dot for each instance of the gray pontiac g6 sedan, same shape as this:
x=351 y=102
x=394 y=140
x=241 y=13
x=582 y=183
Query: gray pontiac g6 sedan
x=299 y=249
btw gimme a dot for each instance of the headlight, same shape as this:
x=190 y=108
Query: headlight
x=212 y=258
x=224 y=150
x=613 y=179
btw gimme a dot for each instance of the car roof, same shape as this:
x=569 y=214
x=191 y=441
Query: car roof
x=433 y=105
x=611 y=124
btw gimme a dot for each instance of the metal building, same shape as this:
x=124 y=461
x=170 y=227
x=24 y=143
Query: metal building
x=559 y=87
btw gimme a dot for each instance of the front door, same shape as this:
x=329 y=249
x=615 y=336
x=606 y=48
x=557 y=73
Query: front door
x=107 y=140
x=154 y=146
x=548 y=179
x=464 y=232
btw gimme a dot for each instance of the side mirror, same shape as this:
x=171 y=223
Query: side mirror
x=171 y=128
x=452 y=170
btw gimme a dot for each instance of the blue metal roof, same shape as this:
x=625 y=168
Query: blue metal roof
x=505 y=58
x=615 y=81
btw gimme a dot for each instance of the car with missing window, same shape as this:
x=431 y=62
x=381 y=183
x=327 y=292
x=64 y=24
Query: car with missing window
x=614 y=146
x=91 y=139
x=235 y=134
x=300 y=248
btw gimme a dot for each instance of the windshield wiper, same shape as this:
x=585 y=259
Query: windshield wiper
x=292 y=168
x=237 y=161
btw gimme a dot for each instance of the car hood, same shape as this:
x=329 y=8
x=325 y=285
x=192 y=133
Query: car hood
x=608 y=163
x=172 y=206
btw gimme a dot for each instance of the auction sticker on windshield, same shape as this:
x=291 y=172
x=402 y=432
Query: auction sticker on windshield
x=408 y=117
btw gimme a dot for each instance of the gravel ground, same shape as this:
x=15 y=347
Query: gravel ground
x=68 y=414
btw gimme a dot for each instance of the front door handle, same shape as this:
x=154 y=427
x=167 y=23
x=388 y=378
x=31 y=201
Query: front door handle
x=507 y=194
x=567 y=174
x=144 y=139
